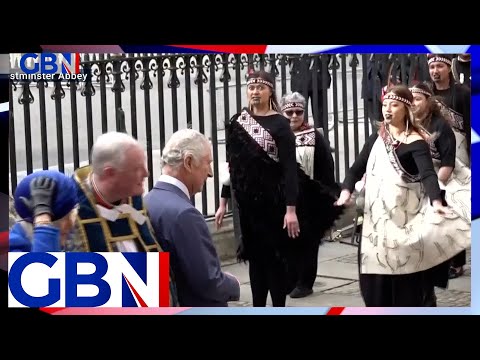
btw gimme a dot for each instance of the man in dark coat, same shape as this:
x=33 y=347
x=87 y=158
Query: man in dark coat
x=182 y=230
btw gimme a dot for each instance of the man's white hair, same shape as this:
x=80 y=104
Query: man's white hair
x=183 y=143
x=110 y=149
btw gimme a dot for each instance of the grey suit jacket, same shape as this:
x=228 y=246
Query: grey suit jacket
x=182 y=231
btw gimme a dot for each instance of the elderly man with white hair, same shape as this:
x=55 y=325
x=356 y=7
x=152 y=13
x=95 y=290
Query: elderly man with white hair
x=110 y=194
x=182 y=230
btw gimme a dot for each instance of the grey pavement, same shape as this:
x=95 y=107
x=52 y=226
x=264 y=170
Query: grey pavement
x=337 y=282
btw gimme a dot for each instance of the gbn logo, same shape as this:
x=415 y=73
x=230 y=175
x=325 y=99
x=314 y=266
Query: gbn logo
x=73 y=279
x=48 y=63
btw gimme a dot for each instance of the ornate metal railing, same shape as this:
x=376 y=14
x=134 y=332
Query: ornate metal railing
x=152 y=95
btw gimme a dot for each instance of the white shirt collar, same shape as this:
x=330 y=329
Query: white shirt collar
x=174 y=181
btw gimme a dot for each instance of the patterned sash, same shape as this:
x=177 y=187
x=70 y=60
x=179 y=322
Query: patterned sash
x=401 y=232
x=258 y=133
x=461 y=153
x=305 y=145
x=305 y=138
x=454 y=118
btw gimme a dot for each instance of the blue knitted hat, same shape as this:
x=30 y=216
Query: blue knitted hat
x=64 y=198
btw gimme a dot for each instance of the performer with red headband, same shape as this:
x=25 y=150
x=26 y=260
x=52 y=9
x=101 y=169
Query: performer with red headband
x=268 y=185
x=406 y=229
x=455 y=101
x=315 y=158
x=454 y=176
x=428 y=117
x=455 y=105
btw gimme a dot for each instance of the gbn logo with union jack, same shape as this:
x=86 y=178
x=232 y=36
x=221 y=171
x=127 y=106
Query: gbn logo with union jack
x=77 y=279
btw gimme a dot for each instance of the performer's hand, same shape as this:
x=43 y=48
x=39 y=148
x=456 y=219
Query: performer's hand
x=344 y=198
x=440 y=209
x=290 y=222
x=219 y=216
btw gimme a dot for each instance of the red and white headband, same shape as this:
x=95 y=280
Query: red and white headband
x=420 y=91
x=391 y=96
x=259 y=81
x=292 y=105
x=440 y=59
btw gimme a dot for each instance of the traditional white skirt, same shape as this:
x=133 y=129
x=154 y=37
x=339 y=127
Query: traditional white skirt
x=461 y=153
x=401 y=232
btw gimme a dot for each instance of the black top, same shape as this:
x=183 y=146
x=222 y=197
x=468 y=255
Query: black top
x=226 y=192
x=415 y=158
x=458 y=98
x=279 y=127
x=323 y=165
x=445 y=143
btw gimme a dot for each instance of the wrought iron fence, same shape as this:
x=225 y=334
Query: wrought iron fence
x=152 y=95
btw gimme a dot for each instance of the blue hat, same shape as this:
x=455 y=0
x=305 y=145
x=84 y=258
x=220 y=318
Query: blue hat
x=64 y=198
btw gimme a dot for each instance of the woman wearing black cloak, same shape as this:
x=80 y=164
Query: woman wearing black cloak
x=276 y=199
x=315 y=159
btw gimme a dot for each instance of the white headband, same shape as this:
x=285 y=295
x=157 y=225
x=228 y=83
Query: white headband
x=292 y=105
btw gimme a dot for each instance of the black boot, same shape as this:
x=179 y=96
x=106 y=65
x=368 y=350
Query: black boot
x=300 y=292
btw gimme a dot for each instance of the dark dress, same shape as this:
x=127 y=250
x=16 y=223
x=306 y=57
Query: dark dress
x=265 y=178
x=303 y=254
x=458 y=98
x=442 y=149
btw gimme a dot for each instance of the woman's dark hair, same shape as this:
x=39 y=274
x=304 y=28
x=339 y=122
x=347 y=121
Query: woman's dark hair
x=432 y=101
x=271 y=79
x=404 y=92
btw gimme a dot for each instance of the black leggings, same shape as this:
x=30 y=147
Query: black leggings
x=303 y=263
x=268 y=274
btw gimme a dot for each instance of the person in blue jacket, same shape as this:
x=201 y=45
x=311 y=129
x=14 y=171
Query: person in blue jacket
x=46 y=203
